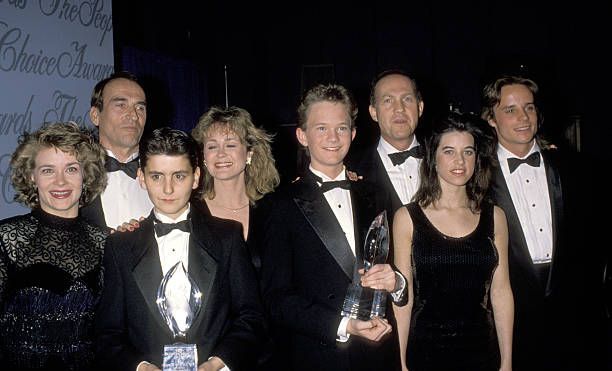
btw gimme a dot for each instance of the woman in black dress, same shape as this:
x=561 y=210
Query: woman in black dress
x=451 y=245
x=50 y=276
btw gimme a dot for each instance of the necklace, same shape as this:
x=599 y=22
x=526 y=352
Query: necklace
x=234 y=210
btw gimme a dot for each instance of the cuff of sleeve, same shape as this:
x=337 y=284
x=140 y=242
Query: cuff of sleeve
x=398 y=294
x=342 y=335
x=225 y=368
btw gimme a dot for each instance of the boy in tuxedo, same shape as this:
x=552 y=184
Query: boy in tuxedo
x=131 y=332
x=312 y=242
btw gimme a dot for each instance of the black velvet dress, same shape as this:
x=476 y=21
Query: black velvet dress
x=452 y=325
x=50 y=282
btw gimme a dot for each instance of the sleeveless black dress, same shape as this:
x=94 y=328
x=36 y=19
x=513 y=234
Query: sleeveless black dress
x=50 y=283
x=452 y=325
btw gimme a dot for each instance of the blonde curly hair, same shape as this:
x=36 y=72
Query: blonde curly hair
x=261 y=176
x=69 y=138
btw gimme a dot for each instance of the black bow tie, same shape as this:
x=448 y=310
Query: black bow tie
x=398 y=158
x=130 y=168
x=531 y=160
x=328 y=186
x=162 y=229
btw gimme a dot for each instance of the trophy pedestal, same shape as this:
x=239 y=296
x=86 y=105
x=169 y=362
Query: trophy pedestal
x=363 y=303
x=180 y=357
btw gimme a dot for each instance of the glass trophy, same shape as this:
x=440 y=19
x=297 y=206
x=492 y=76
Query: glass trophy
x=363 y=302
x=179 y=300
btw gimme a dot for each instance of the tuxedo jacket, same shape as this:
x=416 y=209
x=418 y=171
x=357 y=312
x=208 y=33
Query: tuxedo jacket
x=307 y=267
x=370 y=166
x=93 y=212
x=230 y=323
x=546 y=312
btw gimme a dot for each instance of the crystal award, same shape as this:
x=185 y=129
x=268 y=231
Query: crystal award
x=179 y=300
x=363 y=302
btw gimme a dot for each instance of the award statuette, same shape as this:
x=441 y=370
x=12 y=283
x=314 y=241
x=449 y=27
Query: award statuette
x=363 y=302
x=179 y=300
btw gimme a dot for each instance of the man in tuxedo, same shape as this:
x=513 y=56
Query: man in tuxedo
x=392 y=163
x=537 y=190
x=312 y=244
x=119 y=110
x=228 y=328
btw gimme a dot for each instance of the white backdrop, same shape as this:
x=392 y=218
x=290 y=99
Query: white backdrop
x=52 y=53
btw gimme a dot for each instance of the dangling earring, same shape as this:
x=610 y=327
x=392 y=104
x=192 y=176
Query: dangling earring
x=248 y=160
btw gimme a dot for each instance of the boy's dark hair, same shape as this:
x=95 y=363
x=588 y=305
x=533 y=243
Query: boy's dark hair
x=170 y=142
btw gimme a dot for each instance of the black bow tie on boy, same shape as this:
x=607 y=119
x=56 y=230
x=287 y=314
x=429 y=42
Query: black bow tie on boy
x=399 y=158
x=328 y=186
x=531 y=160
x=130 y=168
x=162 y=229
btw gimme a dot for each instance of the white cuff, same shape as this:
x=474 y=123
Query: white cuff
x=397 y=294
x=225 y=368
x=342 y=335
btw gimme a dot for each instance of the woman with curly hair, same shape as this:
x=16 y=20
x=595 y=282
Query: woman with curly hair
x=239 y=169
x=50 y=259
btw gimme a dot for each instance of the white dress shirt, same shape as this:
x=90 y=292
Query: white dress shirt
x=174 y=248
x=529 y=192
x=339 y=200
x=123 y=198
x=405 y=176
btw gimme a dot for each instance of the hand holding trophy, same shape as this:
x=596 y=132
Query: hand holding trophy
x=363 y=302
x=179 y=300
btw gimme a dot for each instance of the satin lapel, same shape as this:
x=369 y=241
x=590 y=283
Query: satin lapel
x=556 y=205
x=202 y=263
x=518 y=244
x=147 y=269
x=321 y=218
x=382 y=174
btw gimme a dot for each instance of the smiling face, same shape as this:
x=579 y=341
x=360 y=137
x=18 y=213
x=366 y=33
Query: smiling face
x=515 y=119
x=225 y=156
x=122 y=118
x=169 y=181
x=455 y=158
x=396 y=110
x=59 y=180
x=328 y=136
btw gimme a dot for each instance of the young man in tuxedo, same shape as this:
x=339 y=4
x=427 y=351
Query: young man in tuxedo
x=313 y=240
x=131 y=332
x=119 y=110
x=555 y=315
x=392 y=163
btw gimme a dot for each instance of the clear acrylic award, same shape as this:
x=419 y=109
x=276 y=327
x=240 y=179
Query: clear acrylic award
x=363 y=302
x=179 y=300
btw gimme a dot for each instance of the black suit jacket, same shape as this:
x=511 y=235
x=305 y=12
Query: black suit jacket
x=230 y=324
x=307 y=267
x=93 y=212
x=546 y=312
x=370 y=166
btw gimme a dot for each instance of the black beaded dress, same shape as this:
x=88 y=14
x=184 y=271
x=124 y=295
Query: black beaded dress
x=50 y=283
x=452 y=325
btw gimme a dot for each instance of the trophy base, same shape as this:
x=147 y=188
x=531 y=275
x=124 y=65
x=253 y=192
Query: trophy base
x=364 y=303
x=180 y=357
